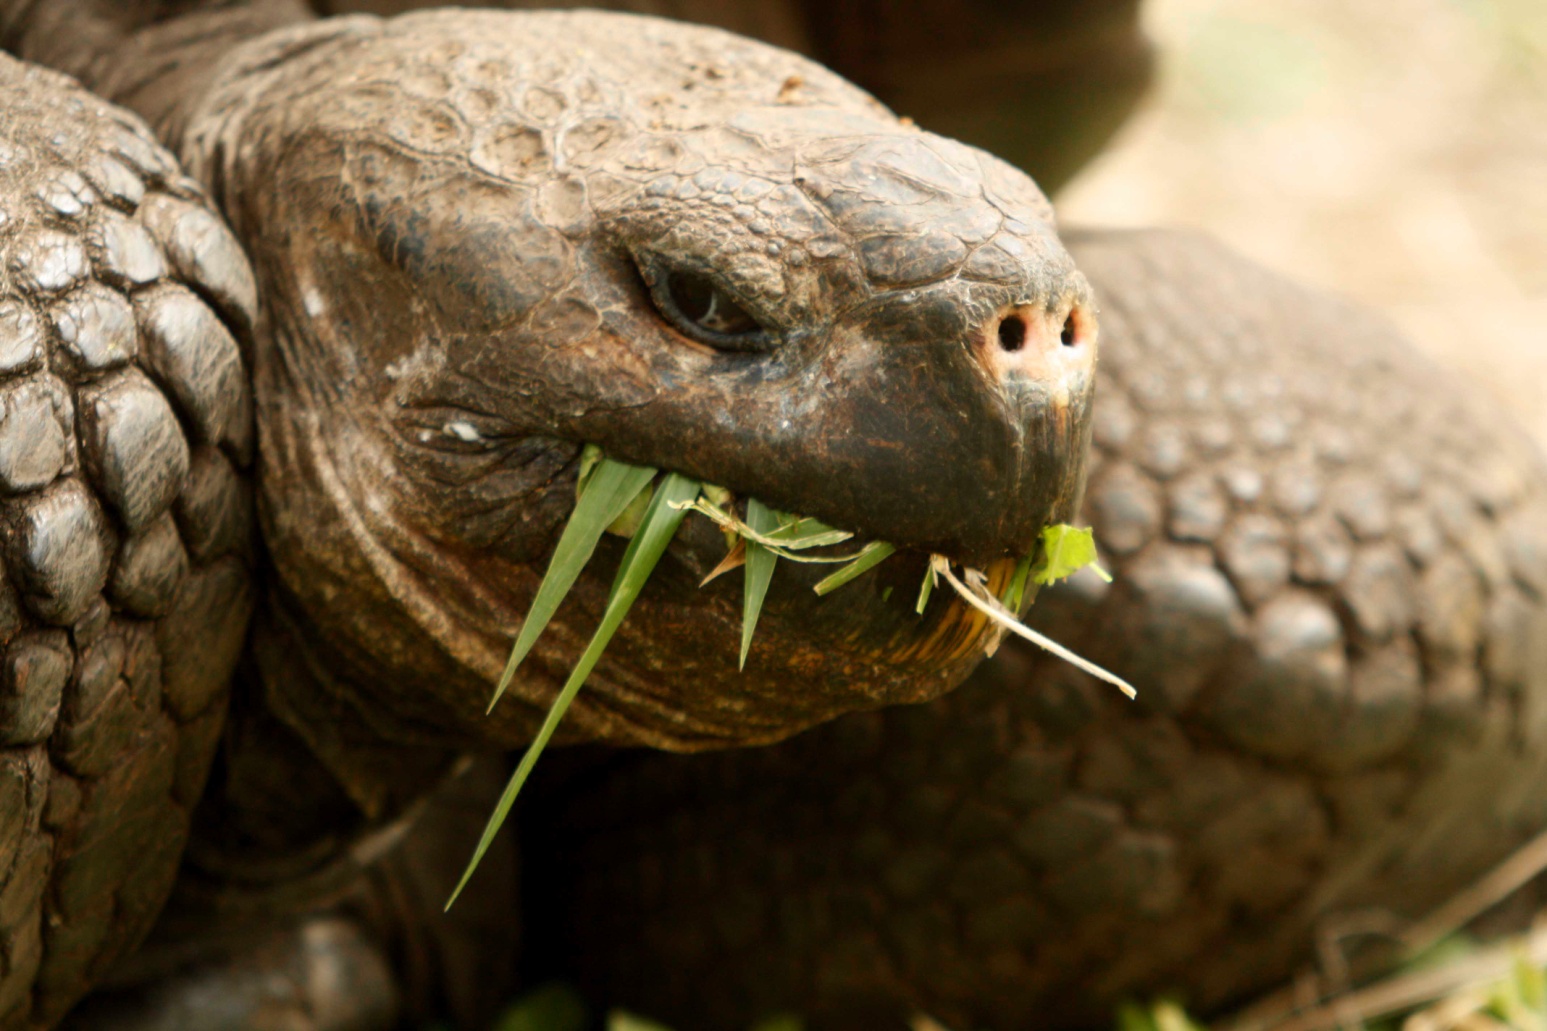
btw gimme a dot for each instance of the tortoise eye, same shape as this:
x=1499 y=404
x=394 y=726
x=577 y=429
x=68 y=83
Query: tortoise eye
x=704 y=311
x=706 y=305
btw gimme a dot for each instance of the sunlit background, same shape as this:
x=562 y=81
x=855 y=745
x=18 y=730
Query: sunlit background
x=1394 y=150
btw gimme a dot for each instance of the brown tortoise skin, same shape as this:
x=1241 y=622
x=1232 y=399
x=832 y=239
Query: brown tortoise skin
x=124 y=441
x=1330 y=565
x=1041 y=83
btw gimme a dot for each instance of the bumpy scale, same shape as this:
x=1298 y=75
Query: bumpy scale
x=125 y=427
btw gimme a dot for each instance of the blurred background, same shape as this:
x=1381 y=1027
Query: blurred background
x=1395 y=151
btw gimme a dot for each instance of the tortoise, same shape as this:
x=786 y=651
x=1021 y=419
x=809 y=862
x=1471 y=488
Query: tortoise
x=411 y=484
x=480 y=241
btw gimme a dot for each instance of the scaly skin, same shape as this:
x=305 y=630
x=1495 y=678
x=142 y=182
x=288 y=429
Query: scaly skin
x=458 y=221
x=1331 y=592
x=124 y=439
x=1041 y=83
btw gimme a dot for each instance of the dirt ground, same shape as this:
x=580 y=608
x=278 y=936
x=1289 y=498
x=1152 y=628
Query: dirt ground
x=1394 y=150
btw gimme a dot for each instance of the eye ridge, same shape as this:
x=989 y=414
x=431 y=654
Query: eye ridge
x=703 y=310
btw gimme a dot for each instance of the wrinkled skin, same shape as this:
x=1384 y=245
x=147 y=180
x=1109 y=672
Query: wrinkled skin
x=464 y=230
x=1330 y=565
x=1041 y=83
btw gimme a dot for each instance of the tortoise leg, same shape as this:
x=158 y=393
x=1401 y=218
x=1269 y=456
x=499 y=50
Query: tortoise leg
x=323 y=974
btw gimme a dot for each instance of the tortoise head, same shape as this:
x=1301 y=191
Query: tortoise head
x=487 y=239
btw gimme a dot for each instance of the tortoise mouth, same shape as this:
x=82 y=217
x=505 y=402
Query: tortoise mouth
x=823 y=601
x=885 y=605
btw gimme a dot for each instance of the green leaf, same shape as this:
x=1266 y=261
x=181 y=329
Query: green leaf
x=610 y=490
x=553 y=1007
x=926 y=589
x=760 y=566
x=870 y=556
x=1065 y=551
x=660 y=524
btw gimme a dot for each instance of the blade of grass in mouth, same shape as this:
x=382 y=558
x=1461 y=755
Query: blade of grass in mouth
x=870 y=556
x=760 y=564
x=1016 y=592
x=926 y=588
x=787 y=535
x=609 y=490
x=648 y=545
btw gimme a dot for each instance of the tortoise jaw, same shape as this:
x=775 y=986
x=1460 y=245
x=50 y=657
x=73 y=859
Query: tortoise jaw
x=883 y=642
x=671 y=678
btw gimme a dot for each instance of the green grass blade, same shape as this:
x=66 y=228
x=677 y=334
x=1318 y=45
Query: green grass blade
x=655 y=532
x=1016 y=592
x=760 y=566
x=627 y=524
x=786 y=534
x=799 y=533
x=644 y=551
x=612 y=487
x=1133 y=1017
x=870 y=556
x=926 y=589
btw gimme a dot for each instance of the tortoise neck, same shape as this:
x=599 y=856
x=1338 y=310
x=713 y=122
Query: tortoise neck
x=305 y=795
x=383 y=764
x=152 y=56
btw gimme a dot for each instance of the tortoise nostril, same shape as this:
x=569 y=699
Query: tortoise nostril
x=1012 y=333
x=1069 y=336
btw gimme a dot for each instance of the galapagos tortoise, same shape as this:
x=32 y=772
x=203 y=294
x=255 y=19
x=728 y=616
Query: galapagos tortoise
x=458 y=223
x=422 y=378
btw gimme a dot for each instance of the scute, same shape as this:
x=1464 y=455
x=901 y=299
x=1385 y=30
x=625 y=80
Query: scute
x=102 y=749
